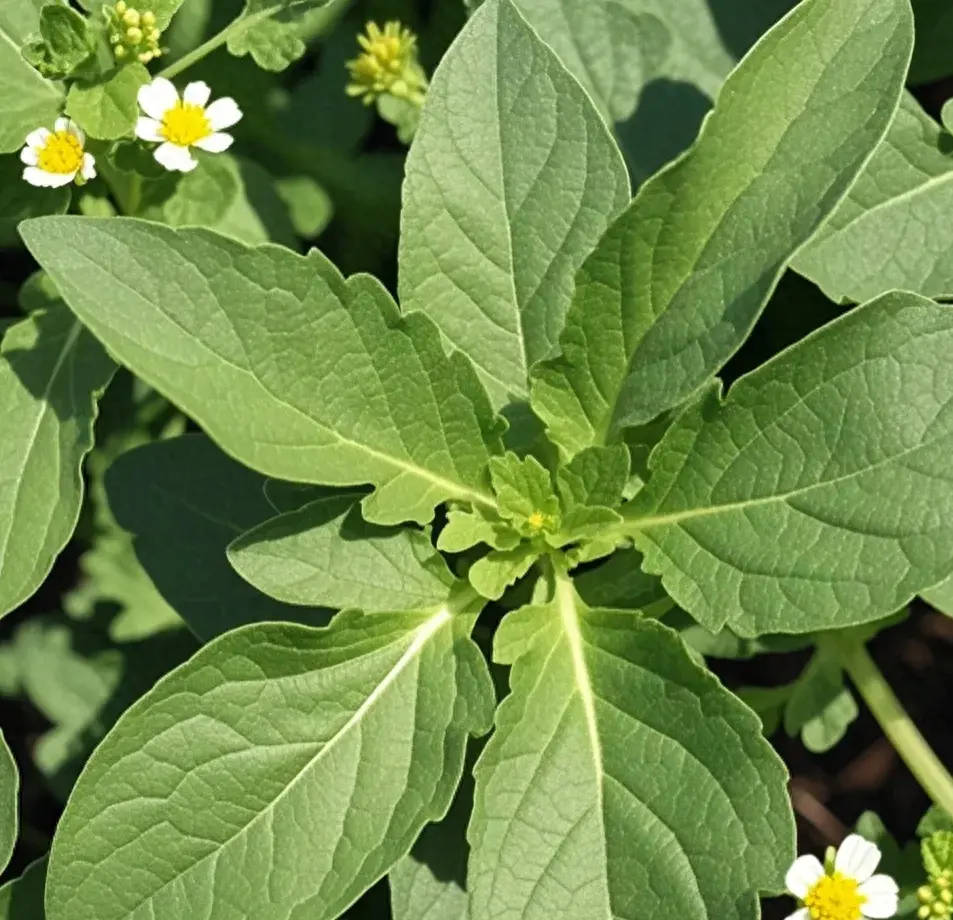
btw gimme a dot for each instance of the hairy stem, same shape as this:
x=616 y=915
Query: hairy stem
x=893 y=718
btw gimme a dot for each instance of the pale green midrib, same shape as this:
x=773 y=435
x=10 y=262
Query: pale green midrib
x=69 y=342
x=425 y=632
x=454 y=488
x=663 y=520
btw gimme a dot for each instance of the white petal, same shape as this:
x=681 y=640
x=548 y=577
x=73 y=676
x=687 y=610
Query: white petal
x=857 y=858
x=88 y=170
x=215 y=143
x=802 y=914
x=157 y=97
x=174 y=157
x=77 y=132
x=38 y=138
x=881 y=893
x=61 y=124
x=803 y=875
x=44 y=179
x=223 y=113
x=29 y=156
x=197 y=93
x=147 y=129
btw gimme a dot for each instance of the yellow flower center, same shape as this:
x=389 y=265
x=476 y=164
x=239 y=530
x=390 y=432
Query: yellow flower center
x=835 y=897
x=62 y=153
x=184 y=124
x=387 y=64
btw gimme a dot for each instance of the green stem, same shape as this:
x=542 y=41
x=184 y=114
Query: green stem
x=893 y=718
x=206 y=48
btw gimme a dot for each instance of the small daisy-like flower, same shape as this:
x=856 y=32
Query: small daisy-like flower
x=388 y=65
x=844 y=890
x=180 y=124
x=57 y=157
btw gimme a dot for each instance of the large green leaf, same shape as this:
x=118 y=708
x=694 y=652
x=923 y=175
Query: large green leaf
x=22 y=899
x=511 y=180
x=818 y=494
x=9 y=795
x=184 y=501
x=19 y=19
x=20 y=200
x=891 y=231
x=680 y=278
x=293 y=370
x=326 y=554
x=52 y=372
x=622 y=779
x=28 y=100
x=283 y=768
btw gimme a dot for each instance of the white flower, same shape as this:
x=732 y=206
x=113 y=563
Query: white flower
x=848 y=890
x=178 y=124
x=55 y=158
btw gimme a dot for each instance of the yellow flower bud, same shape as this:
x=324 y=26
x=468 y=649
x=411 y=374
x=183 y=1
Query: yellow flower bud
x=134 y=35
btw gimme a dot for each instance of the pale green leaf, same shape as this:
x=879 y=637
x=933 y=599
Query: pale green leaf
x=184 y=502
x=676 y=284
x=595 y=476
x=28 y=100
x=279 y=753
x=523 y=488
x=934 y=820
x=820 y=708
x=20 y=200
x=9 y=796
x=64 y=44
x=465 y=529
x=52 y=372
x=817 y=495
x=499 y=569
x=22 y=898
x=309 y=205
x=293 y=370
x=937 y=852
x=19 y=19
x=107 y=109
x=268 y=31
x=891 y=231
x=327 y=555
x=940 y=596
x=618 y=763
x=511 y=180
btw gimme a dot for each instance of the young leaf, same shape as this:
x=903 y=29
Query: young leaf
x=820 y=708
x=496 y=571
x=523 y=489
x=937 y=852
x=293 y=370
x=793 y=127
x=817 y=495
x=22 y=898
x=465 y=529
x=107 y=109
x=28 y=100
x=283 y=768
x=9 y=794
x=65 y=42
x=184 y=502
x=891 y=230
x=494 y=227
x=267 y=30
x=327 y=555
x=52 y=372
x=595 y=477
x=622 y=779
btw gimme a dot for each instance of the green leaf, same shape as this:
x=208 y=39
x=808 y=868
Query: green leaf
x=820 y=708
x=184 y=502
x=891 y=231
x=267 y=30
x=309 y=205
x=523 y=488
x=594 y=477
x=20 y=18
x=52 y=372
x=465 y=529
x=107 y=109
x=499 y=569
x=9 y=795
x=357 y=394
x=645 y=331
x=620 y=583
x=940 y=596
x=28 y=100
x=937 y=852
x=327 y=555
x=321 y=751
x=934 y=820
x=22 y=898
x=768 y=703
x=20 y=200
x=493 y=229
x=65 y=42
x=614 y=760
x=817 y=494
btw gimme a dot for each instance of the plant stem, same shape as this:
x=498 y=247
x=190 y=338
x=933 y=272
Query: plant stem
x=207 y=47
x=893 y=718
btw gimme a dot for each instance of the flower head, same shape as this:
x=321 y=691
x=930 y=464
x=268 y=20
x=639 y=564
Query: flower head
x=180 y=124
x=387 y=66
x=845 y=890
x=57 y=157
x=132 y=33
x=936 y=897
